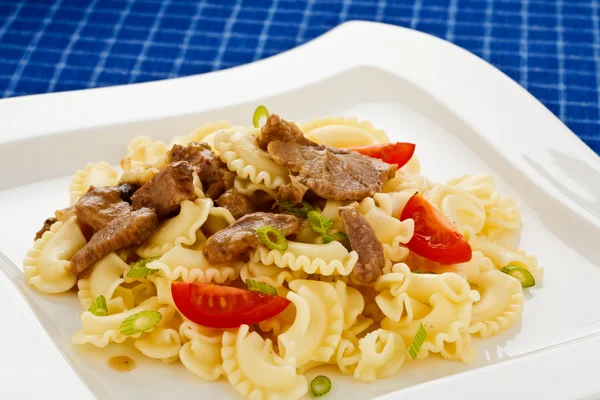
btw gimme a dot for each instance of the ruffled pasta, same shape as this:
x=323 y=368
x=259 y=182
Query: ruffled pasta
x=98 y=174
x=500 y=306
x=218 y=218
x=105 y=280
x=269 y=274
x=442 y=303
x=144 y=160
x=255 y=371
x=503 y=222
x=317 y=329
x=325 y=259
x=249 y=188
x=382 y=353
x=47 y=266
x=502 y=256
x=102 y=330
x=407 y=181
x=464 y=210
x=201 y=353
x=191 y=266
x=481 y=186
x=242 y=155
x=177 y=231
x=342 y=132
x=163 y=342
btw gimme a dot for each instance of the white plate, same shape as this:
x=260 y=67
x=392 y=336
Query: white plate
x=464 y=115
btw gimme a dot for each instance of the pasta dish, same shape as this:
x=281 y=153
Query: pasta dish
x=255 y=254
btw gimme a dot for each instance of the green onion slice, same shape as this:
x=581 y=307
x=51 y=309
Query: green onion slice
x=417 y=271
x=140 y=322
x=139 y=269
x=340 y=237
x=320 y=386
x=260 y=112
x=318 y=222
x=261 y=287
x=521 y=274
x=99 y=306
x=280 y=242
x=299 y=209
x=417 y=342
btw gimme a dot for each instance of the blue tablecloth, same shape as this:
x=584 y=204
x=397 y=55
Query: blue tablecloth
x=550 y=47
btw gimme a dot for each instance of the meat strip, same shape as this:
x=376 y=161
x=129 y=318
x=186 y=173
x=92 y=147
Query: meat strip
x=237 y=204
x=128 y=229
x=331 y=173
x=167 y=189
x=213 y=172
x=47 y=224
x=228 y=244
x=371 y=259
x=100 y=205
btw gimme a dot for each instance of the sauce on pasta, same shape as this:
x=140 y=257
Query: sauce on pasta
x=121 y=363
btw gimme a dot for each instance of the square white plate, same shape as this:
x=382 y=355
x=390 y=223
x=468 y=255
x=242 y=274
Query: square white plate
x=465 y=117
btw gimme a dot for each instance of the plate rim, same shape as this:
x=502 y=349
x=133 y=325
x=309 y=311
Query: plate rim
x=68 y=111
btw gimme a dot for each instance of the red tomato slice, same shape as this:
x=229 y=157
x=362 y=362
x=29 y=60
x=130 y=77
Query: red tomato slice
x=223 y=306
x=435 y=238
x=391 y=153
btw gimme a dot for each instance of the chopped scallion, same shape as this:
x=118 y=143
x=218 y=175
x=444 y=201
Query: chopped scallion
x=139 y=269
x=260 y=112
x=320 y=386
x=521 y=274
x=318 y=222
x=140 y=322
x=99 y=306
x=340 y=237
x=266 y=232
x=417 y=342
x=299 y=209
x=261 y=287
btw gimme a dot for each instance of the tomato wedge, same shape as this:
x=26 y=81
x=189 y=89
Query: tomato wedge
x=435 y=238
x=223 y=306
x=392 y=153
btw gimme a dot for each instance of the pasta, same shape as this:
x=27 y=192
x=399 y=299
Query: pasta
x=324 y=259
x=47 y=264
x=365 y=278
x=256 y=371
x=99 y=174
x=177 y=231
x=243 y=156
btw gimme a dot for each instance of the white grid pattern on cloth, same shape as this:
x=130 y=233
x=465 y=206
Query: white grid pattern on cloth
x=23 y=62
x=227 y=34
x=186 y=41
x=65 y=54
x=135 y=72
x=111 y=42
x=551 y=47
x=262 y=39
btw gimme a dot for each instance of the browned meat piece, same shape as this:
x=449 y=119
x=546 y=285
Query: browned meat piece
x=293 y=191
x=335 y=174
x=100 y=205
x=228 y=244
x=47 y=224
x=262 y=201
x=237 y=204
x=127 y=190
x=213 y=172
x=363 y=240
x=167 y=189
x=126 y=230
